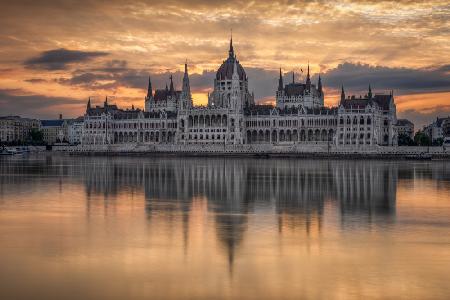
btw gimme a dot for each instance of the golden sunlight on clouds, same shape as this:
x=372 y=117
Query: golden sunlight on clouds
x=116 y=45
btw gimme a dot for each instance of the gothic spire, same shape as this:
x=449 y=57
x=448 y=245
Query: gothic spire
x=342 y=93
x=172 y=90
x=308 y=79
x=186 y=89
x=293 y=77
x=370 y=92
x=280 y=82
x=319 y=85
x=88 y=106
x=149 y=90
x=231 y=51
x=167 y=89
x=106 y=101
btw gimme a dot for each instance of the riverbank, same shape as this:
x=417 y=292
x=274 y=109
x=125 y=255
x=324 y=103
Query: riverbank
x=264 y=151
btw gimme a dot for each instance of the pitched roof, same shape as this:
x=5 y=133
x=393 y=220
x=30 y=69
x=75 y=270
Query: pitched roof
x=162 y=95
x=52 y=123
x=294 y=89
x=383 y=101
x=355 y=103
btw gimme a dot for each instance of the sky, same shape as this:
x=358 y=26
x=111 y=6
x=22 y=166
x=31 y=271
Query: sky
x=56 y=54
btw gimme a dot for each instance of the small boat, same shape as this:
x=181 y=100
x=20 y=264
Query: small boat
x=4 y=151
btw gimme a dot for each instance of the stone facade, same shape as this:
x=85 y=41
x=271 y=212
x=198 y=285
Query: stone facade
x=405 y=127
x=15 y=129
x=55 y=131
x=75 y=131
x=232 y=117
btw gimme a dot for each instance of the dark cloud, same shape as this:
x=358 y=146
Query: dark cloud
x=18 y=102
x=357 y=77
x=35 y=80
x=112 y=76
x=60 y=59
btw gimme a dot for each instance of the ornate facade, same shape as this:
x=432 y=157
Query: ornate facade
x=232 y=117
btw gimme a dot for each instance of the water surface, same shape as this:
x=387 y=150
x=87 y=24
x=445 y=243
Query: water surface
x=213 y=228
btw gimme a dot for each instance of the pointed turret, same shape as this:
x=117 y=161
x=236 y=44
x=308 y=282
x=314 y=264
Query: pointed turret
x=149 y=90
x=280 y=82
x=370 y=92
x=186 y=89
x=88 y=106
x=172 y=90
x=308 y=80
x=106 y=102
x=319 y=85
x=167 y=89
x=293 y=77
x=342 y=93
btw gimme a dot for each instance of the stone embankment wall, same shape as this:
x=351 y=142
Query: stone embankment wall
x=315 y=150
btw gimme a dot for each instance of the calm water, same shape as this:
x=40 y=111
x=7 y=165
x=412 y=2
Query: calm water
x=191 y=228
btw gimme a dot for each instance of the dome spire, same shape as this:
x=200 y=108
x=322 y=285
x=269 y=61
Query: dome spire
x=231 y=51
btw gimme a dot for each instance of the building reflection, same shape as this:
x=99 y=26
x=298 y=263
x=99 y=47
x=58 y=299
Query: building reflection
x=300 y=192
x=363 y=192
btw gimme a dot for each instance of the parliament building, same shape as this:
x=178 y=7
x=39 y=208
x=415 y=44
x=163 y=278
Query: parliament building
x=233 y=119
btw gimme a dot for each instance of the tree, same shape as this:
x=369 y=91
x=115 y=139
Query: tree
x=405 y=140
x=36 y=136
x=438 y=142
x=422 y=139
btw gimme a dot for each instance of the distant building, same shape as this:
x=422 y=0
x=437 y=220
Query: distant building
x=405 y=127
x=14 y=129
x=438 y=129
x=446 y=128
x=55 y=131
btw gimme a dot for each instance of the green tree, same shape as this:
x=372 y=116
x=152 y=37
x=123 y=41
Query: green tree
x=422 y=139
x=405 y=140
x=36 y=136
x=438 y=142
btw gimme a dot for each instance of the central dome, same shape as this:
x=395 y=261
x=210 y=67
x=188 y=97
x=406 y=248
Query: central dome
x=226 y=69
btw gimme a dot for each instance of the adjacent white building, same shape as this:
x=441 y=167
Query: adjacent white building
x=438 y=129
